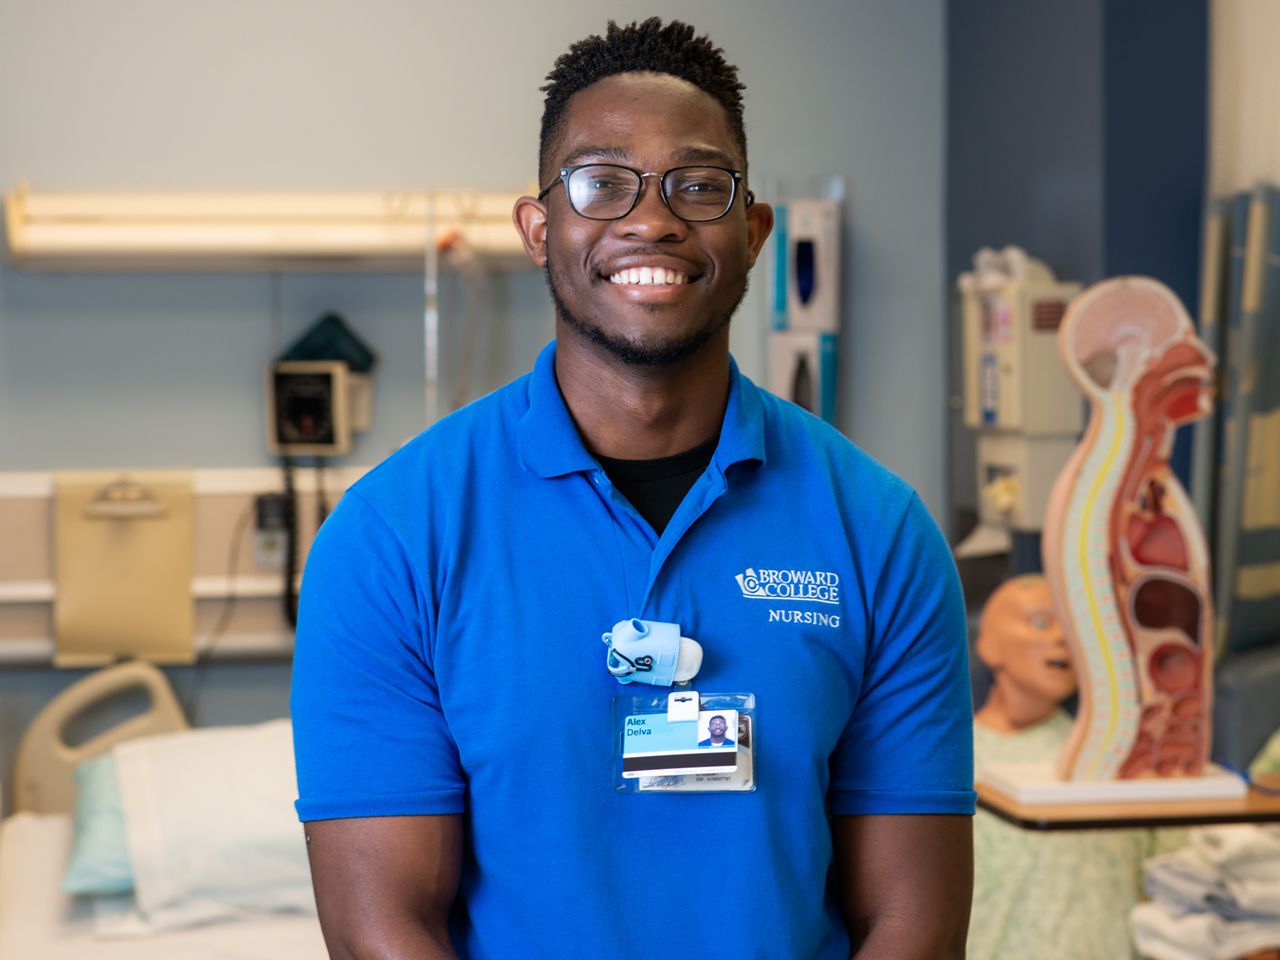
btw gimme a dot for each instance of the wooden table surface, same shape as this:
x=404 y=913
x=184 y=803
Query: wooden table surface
x=1254 y=807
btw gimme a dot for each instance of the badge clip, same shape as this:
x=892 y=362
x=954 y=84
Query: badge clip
x=682 y=705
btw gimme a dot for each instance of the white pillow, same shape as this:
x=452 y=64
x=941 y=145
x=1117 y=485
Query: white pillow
x=210 y=824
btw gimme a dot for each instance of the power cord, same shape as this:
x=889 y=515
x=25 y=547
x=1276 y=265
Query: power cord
x=322 y=499
x=290 y=543
x=205 y=650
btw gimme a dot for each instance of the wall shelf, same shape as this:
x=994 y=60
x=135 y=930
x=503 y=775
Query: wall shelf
x=254 y=628
x=39 y=651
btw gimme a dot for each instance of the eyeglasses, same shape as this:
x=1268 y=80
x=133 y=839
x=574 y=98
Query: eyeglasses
x=609 y=191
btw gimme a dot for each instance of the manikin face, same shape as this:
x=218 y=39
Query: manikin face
x=651 y=123
x=1023 y=642
x=716 y=727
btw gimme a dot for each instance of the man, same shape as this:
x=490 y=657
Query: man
x=717 y=726
x=454 y=717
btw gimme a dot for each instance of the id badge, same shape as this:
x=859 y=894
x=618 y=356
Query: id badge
x=684 y=742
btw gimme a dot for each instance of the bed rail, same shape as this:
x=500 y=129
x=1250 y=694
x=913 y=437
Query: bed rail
x=45 y=765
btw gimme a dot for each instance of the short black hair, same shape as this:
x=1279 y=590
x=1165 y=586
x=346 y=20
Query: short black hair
x=653 y=47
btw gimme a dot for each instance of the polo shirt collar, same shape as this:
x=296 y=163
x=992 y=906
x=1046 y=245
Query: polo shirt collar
x=742 y=433
x=548 y=439
x=550 y=445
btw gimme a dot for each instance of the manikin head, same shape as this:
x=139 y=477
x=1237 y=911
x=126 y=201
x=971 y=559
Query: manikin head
x=1022 y=642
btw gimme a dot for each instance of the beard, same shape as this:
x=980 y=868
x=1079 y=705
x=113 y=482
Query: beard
x=639 y=351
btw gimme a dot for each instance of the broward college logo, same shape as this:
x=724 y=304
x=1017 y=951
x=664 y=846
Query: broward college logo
x=804 y=586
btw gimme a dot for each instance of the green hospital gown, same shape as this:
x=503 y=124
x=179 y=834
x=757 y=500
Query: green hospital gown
x=1052 y=895
x=1268 y=759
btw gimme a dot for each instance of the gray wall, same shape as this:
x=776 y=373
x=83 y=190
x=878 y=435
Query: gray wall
x=1024 y=132
x=165 y=370
x=1076 y=131
x=1024 y=154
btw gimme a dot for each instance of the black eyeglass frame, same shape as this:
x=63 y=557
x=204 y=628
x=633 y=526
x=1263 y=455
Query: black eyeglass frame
x=567 y=172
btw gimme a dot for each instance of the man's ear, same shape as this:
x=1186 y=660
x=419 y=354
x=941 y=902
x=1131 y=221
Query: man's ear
x=759 y=226
x=530 y=218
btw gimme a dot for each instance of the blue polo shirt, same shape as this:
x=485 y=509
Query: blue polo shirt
x=449 y=661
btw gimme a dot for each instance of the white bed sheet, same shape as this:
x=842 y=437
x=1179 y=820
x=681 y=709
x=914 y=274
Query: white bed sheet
x=40 y=922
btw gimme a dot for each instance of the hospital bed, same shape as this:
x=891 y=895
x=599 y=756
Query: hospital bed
x=218 y=865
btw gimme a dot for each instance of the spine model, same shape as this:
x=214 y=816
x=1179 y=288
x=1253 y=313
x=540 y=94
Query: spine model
x=1123 y=549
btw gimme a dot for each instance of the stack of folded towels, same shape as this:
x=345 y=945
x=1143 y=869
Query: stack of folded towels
x=1217 y=899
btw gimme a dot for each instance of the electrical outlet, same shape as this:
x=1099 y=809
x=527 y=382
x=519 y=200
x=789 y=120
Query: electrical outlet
x=270 y=531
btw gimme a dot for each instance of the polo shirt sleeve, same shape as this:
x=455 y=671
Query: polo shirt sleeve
x=908 y=747
x=370 y=738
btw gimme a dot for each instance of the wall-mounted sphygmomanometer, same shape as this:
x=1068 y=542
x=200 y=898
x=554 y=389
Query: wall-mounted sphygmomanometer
x=308 y=407
x=318 y=392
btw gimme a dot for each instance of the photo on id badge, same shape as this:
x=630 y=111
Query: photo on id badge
x=715 y=731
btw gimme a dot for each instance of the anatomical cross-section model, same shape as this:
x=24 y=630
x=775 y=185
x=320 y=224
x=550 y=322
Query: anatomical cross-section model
x=1123 y=550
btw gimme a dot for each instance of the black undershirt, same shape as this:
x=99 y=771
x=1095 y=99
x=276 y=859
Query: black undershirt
x=656 y=487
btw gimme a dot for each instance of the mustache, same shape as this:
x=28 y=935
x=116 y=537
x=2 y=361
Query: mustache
x=641 y=250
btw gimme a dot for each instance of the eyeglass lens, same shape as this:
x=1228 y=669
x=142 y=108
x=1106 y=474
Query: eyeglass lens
x=606 y=192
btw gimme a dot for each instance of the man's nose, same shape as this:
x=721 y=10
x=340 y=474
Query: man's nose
x=651 y=218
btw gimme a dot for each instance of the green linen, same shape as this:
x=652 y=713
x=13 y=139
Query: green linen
x=1041 y=894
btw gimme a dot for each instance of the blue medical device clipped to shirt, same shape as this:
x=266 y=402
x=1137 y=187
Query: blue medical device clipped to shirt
x=650 y=651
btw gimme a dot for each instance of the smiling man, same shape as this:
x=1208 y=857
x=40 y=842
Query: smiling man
x=456 y=716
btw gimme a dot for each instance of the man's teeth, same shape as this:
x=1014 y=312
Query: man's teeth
x=649 y=276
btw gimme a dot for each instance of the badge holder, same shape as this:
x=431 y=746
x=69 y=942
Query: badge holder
x=684 y=742
x=681 y=741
